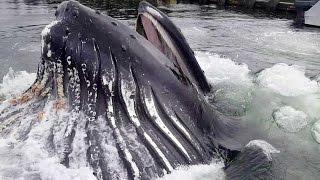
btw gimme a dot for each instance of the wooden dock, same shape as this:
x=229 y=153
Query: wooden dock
x=269 y=5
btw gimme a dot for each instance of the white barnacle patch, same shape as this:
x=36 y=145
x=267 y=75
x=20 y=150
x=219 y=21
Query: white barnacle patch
x=76 y=88
x=70 y=74
x=94 y=86
x=40 y=85
x=88 y=83
x=84 y=67
x=151 y=106
x=60 y=79
x=69 y=60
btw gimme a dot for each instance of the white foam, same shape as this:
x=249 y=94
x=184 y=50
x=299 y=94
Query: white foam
x=213 y=171
x=219 y=70
x=287 y=80
x=14 y=83
x=52 y=169
x=232 y=81
x=290 y=119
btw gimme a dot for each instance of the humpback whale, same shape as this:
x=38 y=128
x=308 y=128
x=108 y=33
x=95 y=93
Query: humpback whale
x=144 y=88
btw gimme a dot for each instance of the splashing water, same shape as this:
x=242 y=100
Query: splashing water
x=287 y=80
x=14 y=83
x=199 y=172
x=265 y=92
x=280 y=101
x=26 y=152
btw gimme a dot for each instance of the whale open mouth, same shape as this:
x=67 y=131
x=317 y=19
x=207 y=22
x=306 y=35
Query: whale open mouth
x=158 y=29
x=149 y=27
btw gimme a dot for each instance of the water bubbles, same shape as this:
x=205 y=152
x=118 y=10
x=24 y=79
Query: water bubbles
x=287 y=80
x=213 y=171
x=290 y=119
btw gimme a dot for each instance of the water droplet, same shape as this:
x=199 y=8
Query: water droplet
x=98 y=12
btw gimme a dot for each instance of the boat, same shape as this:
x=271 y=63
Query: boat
x=312 y=16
